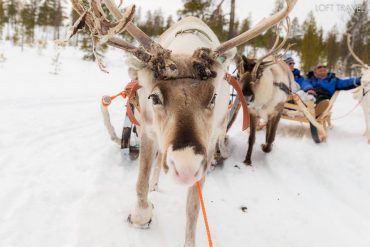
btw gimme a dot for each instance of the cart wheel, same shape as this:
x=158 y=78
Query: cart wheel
x=315 y=134
x=133 y=152
x=126 y=134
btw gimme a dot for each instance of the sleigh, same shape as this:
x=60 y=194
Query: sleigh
x=297 y=110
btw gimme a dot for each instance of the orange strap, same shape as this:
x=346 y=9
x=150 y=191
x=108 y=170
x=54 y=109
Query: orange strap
x=199 y=187
x=133 y=86
x=234 y=83
x=129 y=92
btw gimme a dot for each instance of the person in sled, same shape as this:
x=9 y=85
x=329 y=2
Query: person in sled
x=322 y=84
x=296 y=73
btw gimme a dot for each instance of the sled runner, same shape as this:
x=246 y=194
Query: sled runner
x=305 y=112
x=129 y=140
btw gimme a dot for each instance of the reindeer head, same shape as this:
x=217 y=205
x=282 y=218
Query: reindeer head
x=245 y=69
x=185 y=99
x=251 y=70
x=184 y=122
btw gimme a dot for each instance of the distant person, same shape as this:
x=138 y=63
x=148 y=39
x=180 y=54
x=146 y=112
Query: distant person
x=322 y=85
x=297 y=74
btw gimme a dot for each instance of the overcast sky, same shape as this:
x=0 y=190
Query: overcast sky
x=327 y=12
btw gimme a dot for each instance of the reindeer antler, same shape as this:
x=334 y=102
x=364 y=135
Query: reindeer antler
x=362 y=64
x=275 y=48
x=151 y=53
x=261 y=27
x=104 y=31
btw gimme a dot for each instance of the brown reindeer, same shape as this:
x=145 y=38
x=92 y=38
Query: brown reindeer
x=266 y=82
x=183 y=100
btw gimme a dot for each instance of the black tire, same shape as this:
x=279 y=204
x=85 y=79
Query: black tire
x=233 y=112
x=126 y=134
x=315 y=134
x=133 y=153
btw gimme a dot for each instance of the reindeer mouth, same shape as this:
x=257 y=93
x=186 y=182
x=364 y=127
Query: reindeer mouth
x=185 y=166
x=188 y=181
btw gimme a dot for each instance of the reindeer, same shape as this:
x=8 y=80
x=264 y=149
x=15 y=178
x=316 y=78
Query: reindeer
x=267 y=82
x=183 y=100
x=362 y=93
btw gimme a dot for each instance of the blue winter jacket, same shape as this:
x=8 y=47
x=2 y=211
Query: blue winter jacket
x=330 y=84
x=297 y=76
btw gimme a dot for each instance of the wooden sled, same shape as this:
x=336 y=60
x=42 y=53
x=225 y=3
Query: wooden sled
x=297 y=110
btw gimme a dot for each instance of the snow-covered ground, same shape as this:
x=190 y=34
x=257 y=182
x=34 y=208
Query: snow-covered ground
x=64 y=183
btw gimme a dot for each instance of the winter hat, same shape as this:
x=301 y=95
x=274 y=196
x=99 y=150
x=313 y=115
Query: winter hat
x=289 y=60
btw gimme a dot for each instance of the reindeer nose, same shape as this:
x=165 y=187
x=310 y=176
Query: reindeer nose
x=187 y=166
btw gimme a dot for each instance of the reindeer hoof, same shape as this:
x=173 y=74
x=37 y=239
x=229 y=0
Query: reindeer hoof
x=154 y=187
x=140 y=226
x=248 y=162
x=141 y=217
x=266 y=148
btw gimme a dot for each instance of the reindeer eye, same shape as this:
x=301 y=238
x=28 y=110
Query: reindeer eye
x=155 y=99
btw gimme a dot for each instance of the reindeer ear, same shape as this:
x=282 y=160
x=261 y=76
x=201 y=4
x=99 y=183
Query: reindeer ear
x=228 y=56
x=132 y=73
x=134 y=63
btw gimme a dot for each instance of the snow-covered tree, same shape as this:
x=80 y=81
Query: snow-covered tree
x=56 y=63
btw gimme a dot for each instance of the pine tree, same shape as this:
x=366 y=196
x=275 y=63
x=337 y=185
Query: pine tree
x=28 y=21
x=86 y=47
x=12 y=11
x=232 y=20
x=332 y=48
x=196 y=8
x=217 y=22
x=148 y=25
x=246 y=25
x=3 y=18
x=295 y=36
x=311 y=44
x=169 y=22
x=57 y=18
x=44 y=14
x=158 y=22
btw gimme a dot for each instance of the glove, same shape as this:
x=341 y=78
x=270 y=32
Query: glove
x=312 y=92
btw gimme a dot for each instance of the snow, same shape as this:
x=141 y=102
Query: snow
x=64 y=183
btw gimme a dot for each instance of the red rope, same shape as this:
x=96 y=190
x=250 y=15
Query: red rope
x=199 y=187
x=129 y=92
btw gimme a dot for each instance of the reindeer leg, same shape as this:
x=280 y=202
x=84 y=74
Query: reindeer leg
x=142 y=213
x=157 y=171
x=252 y=139
x=222 y=140
x=192 y=212
x=273 y=123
